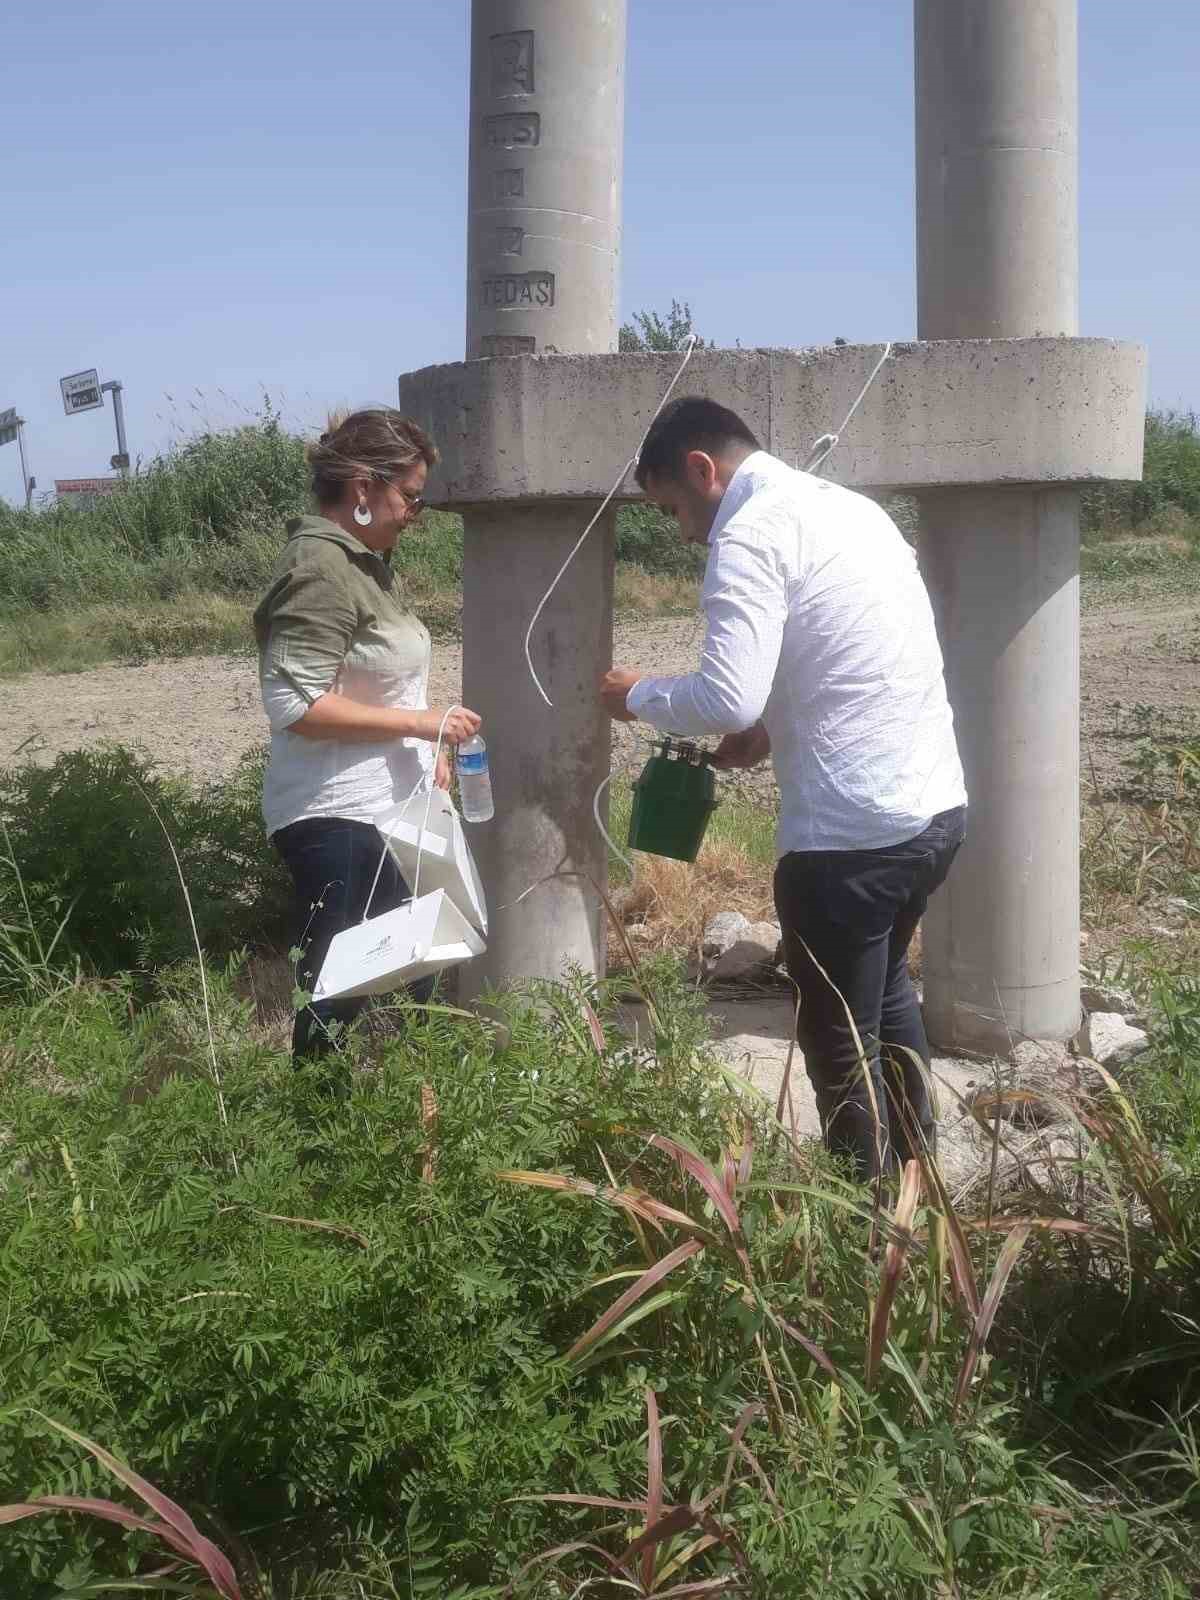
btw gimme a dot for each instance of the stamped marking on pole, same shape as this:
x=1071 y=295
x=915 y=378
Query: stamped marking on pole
x=518 y=291
x=513 y=130
x=511 y=241
x=508 y=344
x=512 y=64
x=508 y=184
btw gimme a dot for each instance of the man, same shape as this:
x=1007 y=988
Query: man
x=821 y=652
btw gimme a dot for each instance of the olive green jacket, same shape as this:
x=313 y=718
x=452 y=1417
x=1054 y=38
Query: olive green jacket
x=335 y=621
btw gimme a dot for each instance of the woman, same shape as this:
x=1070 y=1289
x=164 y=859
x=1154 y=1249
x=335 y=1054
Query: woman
x=344 y=668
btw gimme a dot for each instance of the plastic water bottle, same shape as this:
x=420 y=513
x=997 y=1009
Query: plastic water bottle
x=475 y=781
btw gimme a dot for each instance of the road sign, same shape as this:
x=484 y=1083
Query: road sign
x=80 y=493
x=81 y=392
x=9 y=423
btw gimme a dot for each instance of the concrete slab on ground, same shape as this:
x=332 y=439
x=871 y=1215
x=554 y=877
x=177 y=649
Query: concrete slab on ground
x=754 y=1037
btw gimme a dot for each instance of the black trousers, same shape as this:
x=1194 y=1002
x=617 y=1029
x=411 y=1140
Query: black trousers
x=848 y=917
x=333 y=862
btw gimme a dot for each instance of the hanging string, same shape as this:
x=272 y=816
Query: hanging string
x=824 y=447
x=604 y=505
x=604 y=833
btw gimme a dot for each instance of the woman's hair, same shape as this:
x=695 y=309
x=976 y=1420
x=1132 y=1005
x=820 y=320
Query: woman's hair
x=379 y=443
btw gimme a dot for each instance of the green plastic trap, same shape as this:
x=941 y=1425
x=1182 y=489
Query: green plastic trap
x=673 y=800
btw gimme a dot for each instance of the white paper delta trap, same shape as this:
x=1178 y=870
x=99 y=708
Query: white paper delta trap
x=421 y=937
x=428 y=830
x=444 y=922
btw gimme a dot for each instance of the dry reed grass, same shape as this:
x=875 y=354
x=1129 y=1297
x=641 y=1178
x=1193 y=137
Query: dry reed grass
x=669 y=903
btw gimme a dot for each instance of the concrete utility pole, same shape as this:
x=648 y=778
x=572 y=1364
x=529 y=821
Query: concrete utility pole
x=546 y=142
x=997 y=258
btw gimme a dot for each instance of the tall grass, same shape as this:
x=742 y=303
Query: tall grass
x=173 y=564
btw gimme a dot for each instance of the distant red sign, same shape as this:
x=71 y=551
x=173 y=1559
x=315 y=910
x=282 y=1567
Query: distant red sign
x=87 y=485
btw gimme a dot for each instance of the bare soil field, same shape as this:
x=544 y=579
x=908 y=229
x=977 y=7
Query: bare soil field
x=199 y=715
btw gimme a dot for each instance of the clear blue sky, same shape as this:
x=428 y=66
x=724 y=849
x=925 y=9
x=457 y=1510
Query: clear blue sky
x=209 y=201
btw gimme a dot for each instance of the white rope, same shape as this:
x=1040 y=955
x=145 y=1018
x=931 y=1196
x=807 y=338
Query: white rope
x=824 y=447
x=604 y=505
x=607 y=837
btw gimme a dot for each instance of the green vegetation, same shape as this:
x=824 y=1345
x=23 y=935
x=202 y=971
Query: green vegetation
x=87 y=873
x=362 y=1340
x=173 y=565
x=1151 y=530
x=650 y=331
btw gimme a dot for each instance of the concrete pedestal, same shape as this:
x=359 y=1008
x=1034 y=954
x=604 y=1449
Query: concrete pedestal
x=546 y=764
x=1000 y=951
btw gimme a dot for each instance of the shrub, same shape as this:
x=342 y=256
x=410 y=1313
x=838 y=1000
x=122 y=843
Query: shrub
x=81 y=851
x=648 y=539
x=396 y=1340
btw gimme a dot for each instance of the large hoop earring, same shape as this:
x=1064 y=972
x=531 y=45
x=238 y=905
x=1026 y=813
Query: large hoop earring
x=362 y=514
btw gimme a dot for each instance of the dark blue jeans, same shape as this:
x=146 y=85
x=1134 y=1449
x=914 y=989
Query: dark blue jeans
x=333 y=862
x=853 y=913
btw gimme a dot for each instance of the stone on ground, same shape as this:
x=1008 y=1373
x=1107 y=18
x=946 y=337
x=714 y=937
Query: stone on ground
x=1110 y=1040
x=737 y=950
x=723 y=932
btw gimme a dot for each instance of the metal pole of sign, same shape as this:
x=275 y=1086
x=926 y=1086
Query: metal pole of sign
x=26 y=480
x=121 y=459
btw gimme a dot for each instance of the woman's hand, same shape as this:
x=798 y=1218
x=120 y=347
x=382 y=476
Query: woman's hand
x=461 y=724
x=442 y=772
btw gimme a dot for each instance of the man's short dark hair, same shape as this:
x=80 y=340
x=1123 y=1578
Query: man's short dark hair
x=690 y=423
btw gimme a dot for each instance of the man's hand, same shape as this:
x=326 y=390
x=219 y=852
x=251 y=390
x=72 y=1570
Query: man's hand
x=614 y=691
x=742 y=749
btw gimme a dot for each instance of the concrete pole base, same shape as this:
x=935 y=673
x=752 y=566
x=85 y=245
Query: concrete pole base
x=546 y=764
x=1000 y=945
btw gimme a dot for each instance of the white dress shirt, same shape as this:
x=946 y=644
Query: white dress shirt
x=819 y=624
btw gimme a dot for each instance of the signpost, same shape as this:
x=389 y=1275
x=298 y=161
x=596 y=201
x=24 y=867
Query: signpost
x=12 y=427
x=83 y=391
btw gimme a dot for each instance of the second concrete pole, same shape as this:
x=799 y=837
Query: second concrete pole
x=997 y=257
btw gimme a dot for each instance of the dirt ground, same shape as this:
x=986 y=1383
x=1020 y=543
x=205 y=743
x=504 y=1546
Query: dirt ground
x=200 y=715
